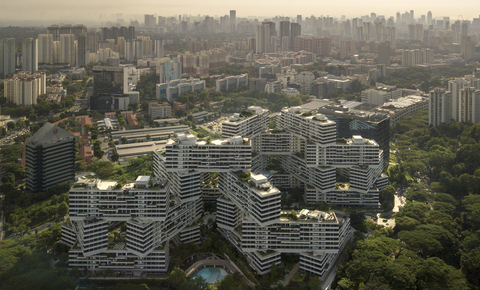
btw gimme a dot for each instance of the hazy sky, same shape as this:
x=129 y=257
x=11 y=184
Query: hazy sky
x=73 y=11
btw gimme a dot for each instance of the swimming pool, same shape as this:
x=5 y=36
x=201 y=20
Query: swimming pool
x=212 y=274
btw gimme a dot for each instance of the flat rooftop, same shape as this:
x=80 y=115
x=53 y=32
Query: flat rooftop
x=142 y=148
x=315 y=104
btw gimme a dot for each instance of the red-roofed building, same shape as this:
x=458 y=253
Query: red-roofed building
x=81 y=121
x=132 y=121
x=86 y=153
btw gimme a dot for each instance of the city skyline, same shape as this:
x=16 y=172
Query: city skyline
x=98 y=11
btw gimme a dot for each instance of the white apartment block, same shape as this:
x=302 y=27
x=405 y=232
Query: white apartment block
x=402 y=107
x=469 y=105
x=151 y=213
x=382 y=94
x=159 y=110
x=416 y=57
x=252 y=123
x=24 y=88
x=231 y=82
x=455 y=86
x=439 y=107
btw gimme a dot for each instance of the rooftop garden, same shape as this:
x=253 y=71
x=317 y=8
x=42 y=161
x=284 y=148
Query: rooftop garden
x=246 y=114
x=244 y=177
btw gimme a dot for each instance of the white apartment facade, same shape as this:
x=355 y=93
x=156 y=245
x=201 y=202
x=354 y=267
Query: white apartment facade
x=151 y=213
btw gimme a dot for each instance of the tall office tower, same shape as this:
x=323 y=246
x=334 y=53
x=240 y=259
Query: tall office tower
x=412 y=16
x=299 y=19
x=384 y=53
x=233 y=21
x=159 y=52
x=30 y=55
x=45 y=48
x=469 y=105
x=7 y=56
x=83 y=50
x=295 y=31
x=398 y=18
x=439 y=107
x=429 y=17
x=66 y=54
x=263 y=38
x=284 y=32
x=150 y=21
x=50 y=158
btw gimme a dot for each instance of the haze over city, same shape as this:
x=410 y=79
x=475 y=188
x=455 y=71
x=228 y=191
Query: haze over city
x=45 y=12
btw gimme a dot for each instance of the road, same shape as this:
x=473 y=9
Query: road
x=291 y=274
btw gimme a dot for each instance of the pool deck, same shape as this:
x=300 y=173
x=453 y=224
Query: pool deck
x=217 y=262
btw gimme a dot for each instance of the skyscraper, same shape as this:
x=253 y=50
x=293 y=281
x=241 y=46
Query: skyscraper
x=45 y=48
x=429 y=17
x=233 y=21
x=66 y=54
x=439 y=107
x=284 y=32
x=384 y=53
x=263 y=38
x=30 y=55
x=295 y=30
x=159 y=48
x=83 y=50
x=50 y=158
x=7 y=56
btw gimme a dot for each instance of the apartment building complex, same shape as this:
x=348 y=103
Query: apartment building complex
x=150 y=213
x=23 y=88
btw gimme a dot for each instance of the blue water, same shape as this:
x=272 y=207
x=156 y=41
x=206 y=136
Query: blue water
x=212 y=274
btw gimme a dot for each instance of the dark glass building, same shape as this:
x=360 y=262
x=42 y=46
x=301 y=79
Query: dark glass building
x=50 y=158
x=369 y=125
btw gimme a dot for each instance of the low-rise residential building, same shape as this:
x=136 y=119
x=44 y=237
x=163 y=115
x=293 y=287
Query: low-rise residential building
x=159 y=110
x=402 y=107
x=380 y=95
x=172 y=89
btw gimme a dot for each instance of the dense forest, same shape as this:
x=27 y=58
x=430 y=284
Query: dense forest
x=435 y=243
